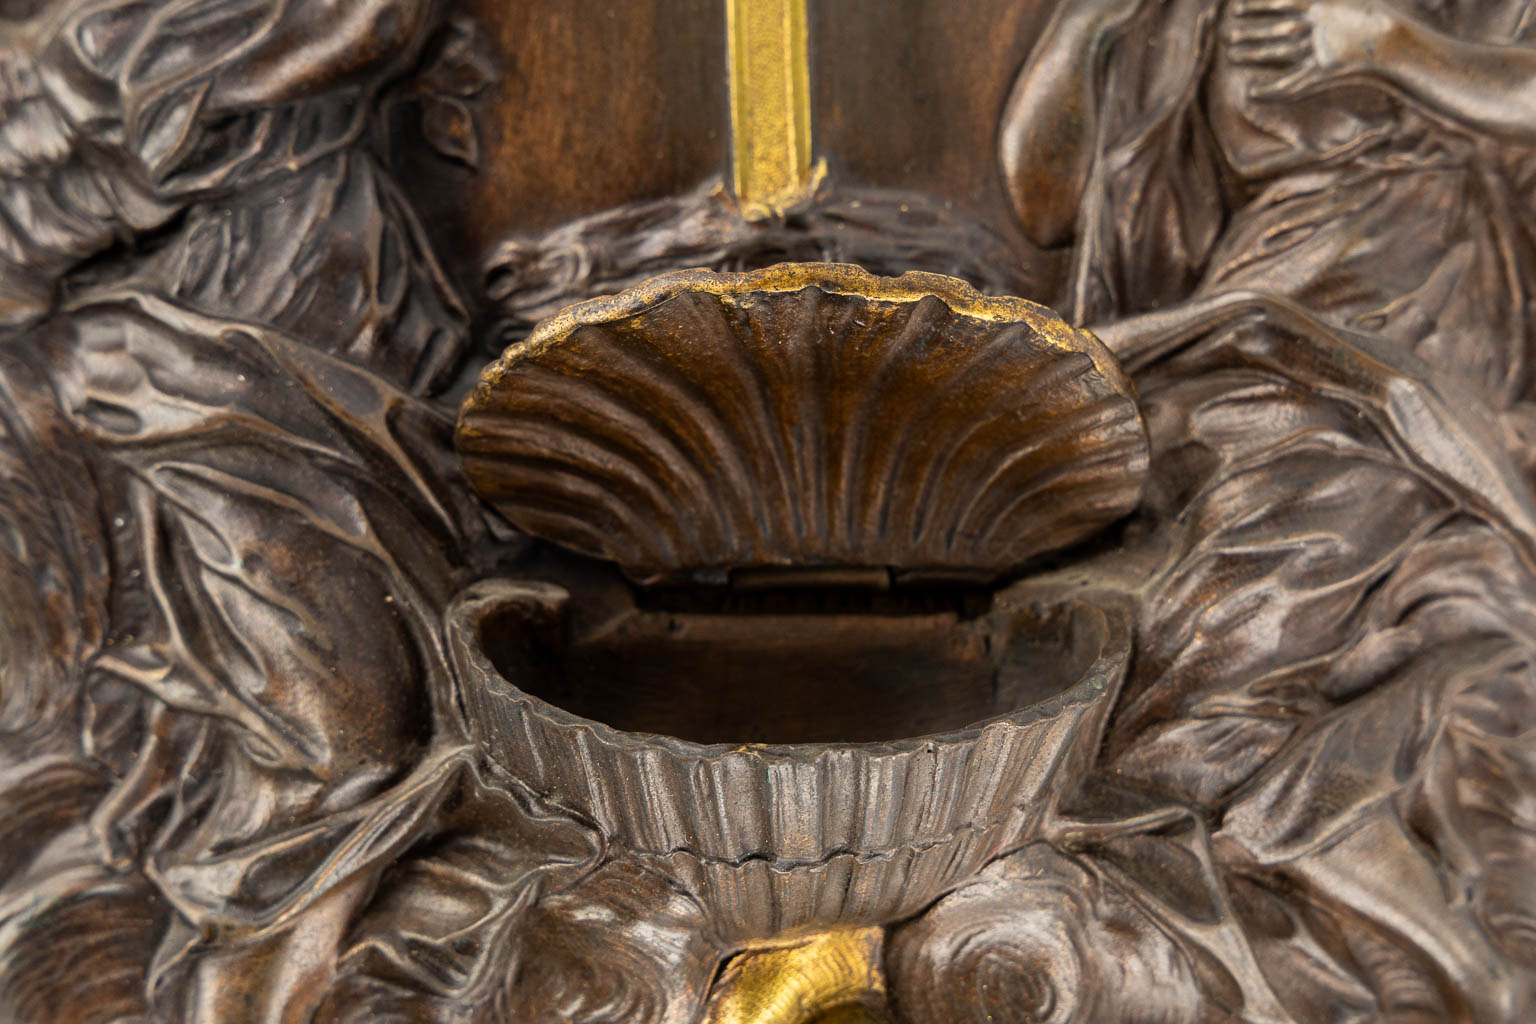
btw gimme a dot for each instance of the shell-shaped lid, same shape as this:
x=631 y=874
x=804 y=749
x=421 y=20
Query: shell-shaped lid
x=806 y=415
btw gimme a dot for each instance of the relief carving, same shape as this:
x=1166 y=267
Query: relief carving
x=714 y=609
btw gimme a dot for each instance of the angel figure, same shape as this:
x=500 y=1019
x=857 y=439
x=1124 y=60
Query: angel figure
x=230 y=517
x=1370 y=161
x=1302 y=224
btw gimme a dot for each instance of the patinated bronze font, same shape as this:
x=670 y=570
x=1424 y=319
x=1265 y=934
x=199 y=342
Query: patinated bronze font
x=767 y=511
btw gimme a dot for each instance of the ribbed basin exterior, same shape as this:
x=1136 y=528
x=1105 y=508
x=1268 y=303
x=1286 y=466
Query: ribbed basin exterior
x=774 y=838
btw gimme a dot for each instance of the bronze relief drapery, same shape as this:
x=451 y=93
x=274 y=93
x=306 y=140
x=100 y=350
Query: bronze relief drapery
x=553 y=511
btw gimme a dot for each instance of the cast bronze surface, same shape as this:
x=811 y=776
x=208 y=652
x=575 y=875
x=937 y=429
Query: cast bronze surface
x=1220 y=708
x=807 y=415
x=711 y=744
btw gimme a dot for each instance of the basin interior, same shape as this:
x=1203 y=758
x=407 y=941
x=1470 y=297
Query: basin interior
x=779 y=674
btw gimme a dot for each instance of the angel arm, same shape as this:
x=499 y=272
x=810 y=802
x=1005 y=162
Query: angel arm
x=1047 y=137
x=1487 y=86
x=194 y=64
x=313 y=47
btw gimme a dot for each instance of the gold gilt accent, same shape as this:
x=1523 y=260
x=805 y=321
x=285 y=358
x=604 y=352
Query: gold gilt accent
x=698 y=427
x=770 y=104
x=834 y=976
x=833 y=278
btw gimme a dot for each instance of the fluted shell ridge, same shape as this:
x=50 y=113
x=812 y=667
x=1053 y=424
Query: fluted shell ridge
x=855 y=833
x=806 y=415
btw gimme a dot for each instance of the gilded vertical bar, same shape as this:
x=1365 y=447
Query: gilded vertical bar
x=770 y=103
